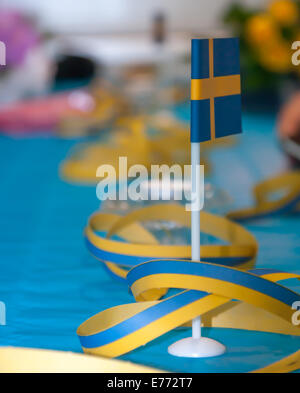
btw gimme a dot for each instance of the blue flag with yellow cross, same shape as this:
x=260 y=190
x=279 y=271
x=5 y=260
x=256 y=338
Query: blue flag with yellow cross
x=215 y=89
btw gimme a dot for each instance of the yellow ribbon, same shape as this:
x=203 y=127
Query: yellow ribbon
x=27 y=360
x=141 y=245
x=130 y=139
x=278 y=195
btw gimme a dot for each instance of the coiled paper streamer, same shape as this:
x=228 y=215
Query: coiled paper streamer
x=267 y=201
x=224 y=296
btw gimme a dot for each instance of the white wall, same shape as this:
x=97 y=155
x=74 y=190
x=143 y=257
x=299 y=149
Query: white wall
x=124 y=15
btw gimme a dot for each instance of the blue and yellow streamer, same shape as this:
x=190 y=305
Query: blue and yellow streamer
x=240 y=248
x=205 y=288
x=224 y=295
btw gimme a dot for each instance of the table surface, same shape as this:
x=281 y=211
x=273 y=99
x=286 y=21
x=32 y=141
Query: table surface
x=50 y=284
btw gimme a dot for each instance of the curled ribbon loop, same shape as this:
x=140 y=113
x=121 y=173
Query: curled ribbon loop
x=142 y=246
x=223 y=295
x=274 y=196
x=206 y=289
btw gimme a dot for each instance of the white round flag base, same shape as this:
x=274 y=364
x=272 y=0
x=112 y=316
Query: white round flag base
x=203 y=347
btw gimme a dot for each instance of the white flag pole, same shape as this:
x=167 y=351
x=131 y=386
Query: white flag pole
x=196 y=346
x=195 y=223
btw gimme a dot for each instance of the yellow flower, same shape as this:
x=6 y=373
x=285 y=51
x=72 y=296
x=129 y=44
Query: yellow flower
x=285 y=12
x=276 y=57
x=261 y=29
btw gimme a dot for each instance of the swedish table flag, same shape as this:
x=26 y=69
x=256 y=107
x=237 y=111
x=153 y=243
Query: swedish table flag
x=215 y=89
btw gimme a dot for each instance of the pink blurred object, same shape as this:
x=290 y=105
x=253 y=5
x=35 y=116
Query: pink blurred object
x=29 y=68
x=19 y=36
x=43 y=114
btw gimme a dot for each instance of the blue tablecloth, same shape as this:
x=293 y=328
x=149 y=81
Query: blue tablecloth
x=50 y=284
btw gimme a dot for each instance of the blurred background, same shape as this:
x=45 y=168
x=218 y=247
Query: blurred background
x=123 y=16
x=84 y=71
x=60 y=41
